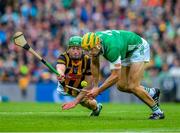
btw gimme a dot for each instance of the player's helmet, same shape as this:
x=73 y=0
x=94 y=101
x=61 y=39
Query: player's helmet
x=89 y=41
x=75 y=41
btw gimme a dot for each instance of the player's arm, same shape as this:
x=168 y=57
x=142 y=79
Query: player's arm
x=113 y=78
x=82 y=94
x=79 y=97
x=61 y=68
x=95 y=66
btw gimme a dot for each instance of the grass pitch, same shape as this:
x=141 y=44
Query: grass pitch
x=41 y=117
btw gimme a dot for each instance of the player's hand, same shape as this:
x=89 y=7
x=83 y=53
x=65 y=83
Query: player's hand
x=61 y=78
x=68 y=105
x=93 y=93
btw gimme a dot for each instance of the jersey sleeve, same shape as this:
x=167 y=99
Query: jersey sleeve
x=61 y=59
x=116 y=64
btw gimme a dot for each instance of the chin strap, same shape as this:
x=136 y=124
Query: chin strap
x=98 y=47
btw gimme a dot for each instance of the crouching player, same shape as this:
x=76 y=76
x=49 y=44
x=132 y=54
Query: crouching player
x=74 y=67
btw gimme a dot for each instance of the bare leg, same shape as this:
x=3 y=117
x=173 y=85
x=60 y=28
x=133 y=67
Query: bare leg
x=122 y=83
x=130 y=80
x=123 y=80
x=134 y=79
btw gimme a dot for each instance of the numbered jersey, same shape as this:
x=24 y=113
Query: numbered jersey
x=75 y=71
x=118 y=43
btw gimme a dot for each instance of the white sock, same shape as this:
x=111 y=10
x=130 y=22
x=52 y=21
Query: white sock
x=151 y=91
x=156 y=109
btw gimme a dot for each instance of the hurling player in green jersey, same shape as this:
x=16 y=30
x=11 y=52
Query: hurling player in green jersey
x=127 y=53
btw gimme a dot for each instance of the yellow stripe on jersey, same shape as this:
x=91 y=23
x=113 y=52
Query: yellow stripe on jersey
x=67 y=60
x=61 y=61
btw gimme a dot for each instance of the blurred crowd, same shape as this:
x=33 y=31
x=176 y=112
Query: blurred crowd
x=47 y=25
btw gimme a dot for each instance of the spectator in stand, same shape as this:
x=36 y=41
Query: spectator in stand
x=48 y=25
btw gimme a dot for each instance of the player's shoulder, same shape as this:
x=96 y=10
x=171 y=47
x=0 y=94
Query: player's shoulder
x=64 y=53
x=64 y=56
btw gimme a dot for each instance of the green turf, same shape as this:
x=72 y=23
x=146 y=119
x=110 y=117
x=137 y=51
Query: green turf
x=114 y=117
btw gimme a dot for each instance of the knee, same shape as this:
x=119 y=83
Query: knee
x=131 y=87
x=121 y=87
x=124 y=88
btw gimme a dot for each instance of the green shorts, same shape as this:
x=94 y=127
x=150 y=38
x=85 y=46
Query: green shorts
x=141 y=54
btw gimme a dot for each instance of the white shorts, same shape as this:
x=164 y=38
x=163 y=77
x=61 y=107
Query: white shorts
x=60 y=89
x=141 y=54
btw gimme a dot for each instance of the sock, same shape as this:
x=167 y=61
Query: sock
x=96 y=108
x=150 y=91
x=156 y=109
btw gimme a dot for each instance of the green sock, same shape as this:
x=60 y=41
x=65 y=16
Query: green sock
x=147 y=89
x=154 y=108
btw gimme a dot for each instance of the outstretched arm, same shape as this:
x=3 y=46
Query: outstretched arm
x=82 y=94
x=95 y=66
x=111 y=80
x=79 y=97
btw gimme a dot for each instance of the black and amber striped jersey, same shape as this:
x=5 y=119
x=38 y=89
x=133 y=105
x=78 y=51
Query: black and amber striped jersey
x=75 y=72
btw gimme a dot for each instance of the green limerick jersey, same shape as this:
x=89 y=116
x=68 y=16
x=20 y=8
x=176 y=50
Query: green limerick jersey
x=118 y=43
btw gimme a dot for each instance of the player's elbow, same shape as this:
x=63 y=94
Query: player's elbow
x=115 y=73
x=115 y=76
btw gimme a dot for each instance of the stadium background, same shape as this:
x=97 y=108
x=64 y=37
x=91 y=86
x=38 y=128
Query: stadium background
x=48 y=24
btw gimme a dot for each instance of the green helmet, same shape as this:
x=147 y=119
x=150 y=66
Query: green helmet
x=75 y=41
